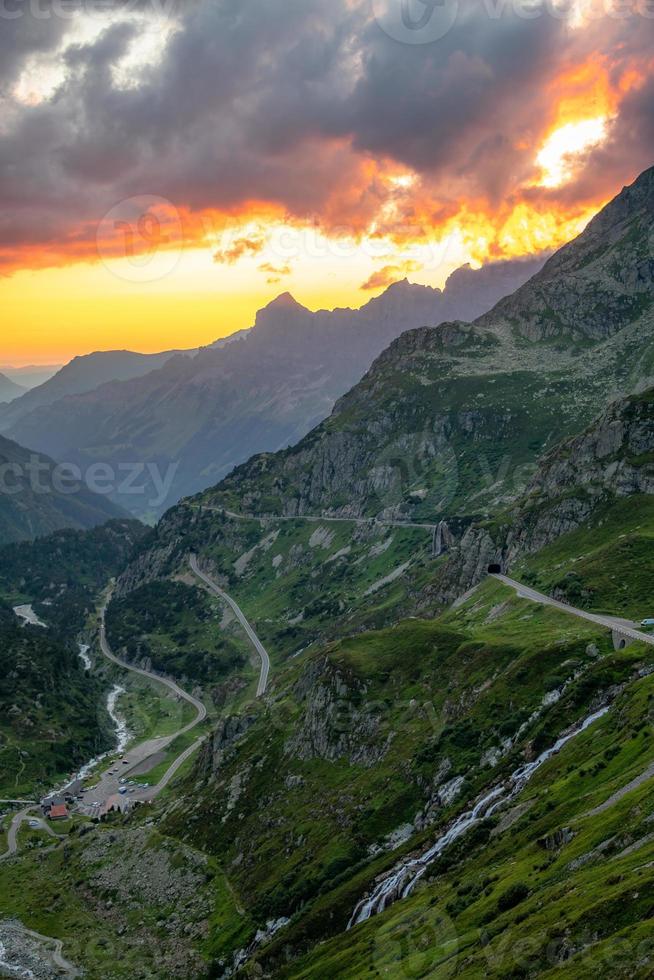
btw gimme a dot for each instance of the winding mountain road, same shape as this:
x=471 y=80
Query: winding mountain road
x=12 y=833
x=319 y=518
x=240 y=615
x=18 y=819
x=622 y=626
x=171 y=685
x=107 y=791
x=315 y=518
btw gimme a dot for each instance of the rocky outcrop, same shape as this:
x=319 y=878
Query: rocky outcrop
x=556 y=840
x=221 y=746
x=336 y=722
x=612 y=458
x=596 y=285
x=131 y=872
x=614 y=454
x=450 y=420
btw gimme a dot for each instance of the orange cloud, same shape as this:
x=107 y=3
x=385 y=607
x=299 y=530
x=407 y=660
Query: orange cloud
x=389 y=274
x=380 y=197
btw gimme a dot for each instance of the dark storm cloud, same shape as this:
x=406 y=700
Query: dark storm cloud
x=22 y=38
x=285 y=102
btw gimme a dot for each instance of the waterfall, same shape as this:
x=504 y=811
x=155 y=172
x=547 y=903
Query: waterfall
x=402 y=880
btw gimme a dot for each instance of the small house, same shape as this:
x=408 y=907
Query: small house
x=59 y=811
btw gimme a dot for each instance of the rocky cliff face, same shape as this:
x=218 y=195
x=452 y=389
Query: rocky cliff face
x=331 y=727
x=595 y=286
x=450 y=420
x=614 y=454
x=612 y=458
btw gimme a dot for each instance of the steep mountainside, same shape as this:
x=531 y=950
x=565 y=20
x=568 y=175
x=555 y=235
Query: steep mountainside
x=205 y=414
x=50 y=714
x=436 y=774
x=579 y=481
x=62 y=574
x=9 y=389
x=34 y=502
x=371 y=747
x=82 y=374
x=449 y=421
x=442 y=435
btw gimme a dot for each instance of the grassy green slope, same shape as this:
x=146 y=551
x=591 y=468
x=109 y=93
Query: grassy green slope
x=299 y=582
x=556 y=889
x=51 y=718
x=358 y=740
x=606 y=566
x=176 y=627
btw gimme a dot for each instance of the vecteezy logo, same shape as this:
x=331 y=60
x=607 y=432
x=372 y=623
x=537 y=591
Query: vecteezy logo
x=415 y=21
x=421 y=945
x=140 y=239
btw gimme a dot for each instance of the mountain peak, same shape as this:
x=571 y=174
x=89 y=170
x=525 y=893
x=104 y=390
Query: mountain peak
x=279 y=313
x=285 y=301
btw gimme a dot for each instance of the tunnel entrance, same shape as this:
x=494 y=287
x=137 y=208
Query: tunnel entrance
x=494 y=569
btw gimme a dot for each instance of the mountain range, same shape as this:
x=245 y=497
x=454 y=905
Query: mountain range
x=30 y=375
x=9 y=389
x=449 y=421
x=36 y=498
x=202 y=413
x=447 y=775
x=425 y=724
x=82 y=374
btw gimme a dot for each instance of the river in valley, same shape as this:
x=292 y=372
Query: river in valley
x=123 y=734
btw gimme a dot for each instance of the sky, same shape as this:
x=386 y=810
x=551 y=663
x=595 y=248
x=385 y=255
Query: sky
x=167 y=167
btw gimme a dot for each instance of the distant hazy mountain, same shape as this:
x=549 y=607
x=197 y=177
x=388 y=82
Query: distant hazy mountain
x=204 y=414
x=31 y=375
x=35 y=501
x=83 y=374
x=9 y=389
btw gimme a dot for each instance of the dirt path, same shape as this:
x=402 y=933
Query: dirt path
x=615 y=797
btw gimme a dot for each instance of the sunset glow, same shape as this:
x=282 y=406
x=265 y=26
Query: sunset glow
x=130 y=222
x=557 y=156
